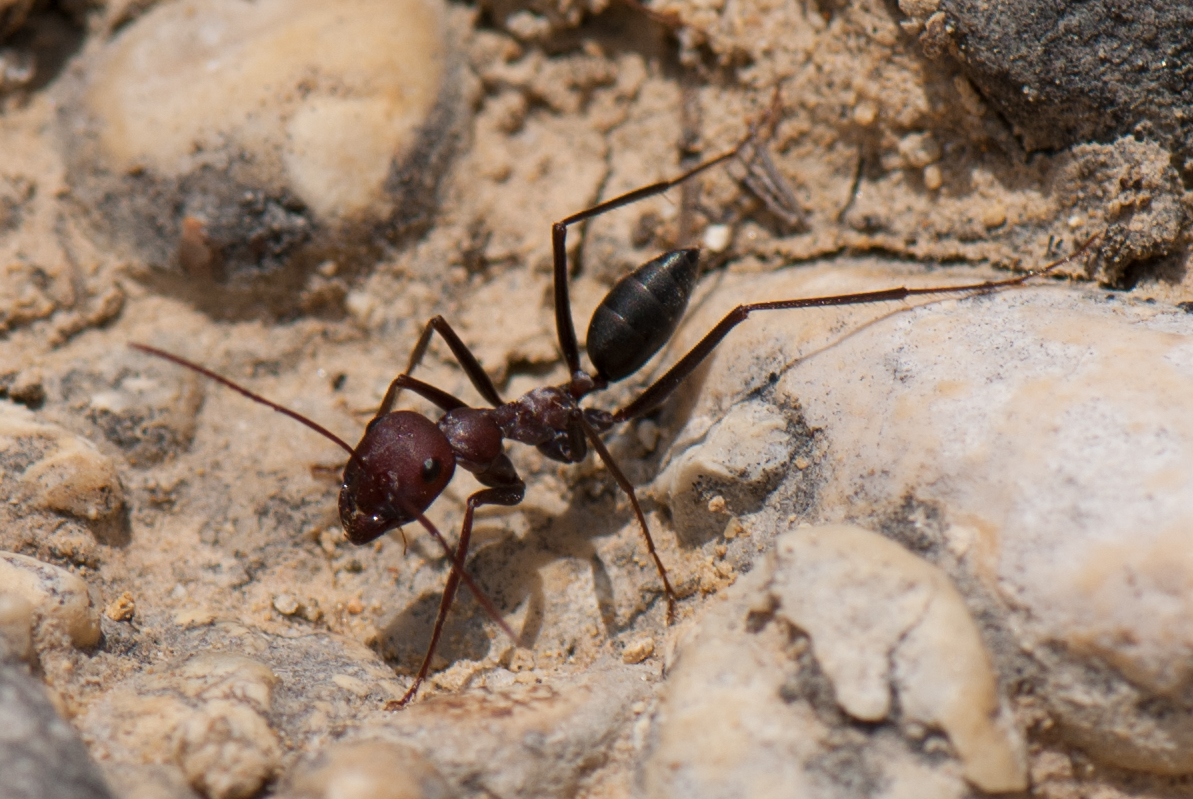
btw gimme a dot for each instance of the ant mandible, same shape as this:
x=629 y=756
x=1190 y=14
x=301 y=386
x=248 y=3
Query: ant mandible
x=405 y=460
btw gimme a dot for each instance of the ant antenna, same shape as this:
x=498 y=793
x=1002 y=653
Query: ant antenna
x=318 y=428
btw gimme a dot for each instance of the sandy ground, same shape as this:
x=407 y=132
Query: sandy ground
x=228 y=511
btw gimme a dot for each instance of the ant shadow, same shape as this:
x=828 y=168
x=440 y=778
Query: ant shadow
x=509 y=572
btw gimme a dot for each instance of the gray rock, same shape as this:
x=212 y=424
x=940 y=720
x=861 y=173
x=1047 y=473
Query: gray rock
x=1069 y=72
x=41 y=756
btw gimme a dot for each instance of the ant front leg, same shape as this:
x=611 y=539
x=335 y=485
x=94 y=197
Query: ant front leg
x=435 y=395
x=504 y=495
x=476 y=374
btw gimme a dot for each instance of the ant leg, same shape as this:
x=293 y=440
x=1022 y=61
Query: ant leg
x=485 y=603
x=425 y=390
x=505 y=495
x=564 y=327
x=662 y=388
x=628 y=488
x=471 y=366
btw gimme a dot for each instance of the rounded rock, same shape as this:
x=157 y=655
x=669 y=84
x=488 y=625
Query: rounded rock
x=66 y=473
x=59 y=599
x=227 y=750
x=240 y=145
x=16 y=627
x=367 y=770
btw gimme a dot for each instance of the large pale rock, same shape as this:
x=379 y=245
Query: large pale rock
x=1035 y=442
x=838 y=617
x=224 y=139
x=883 y=621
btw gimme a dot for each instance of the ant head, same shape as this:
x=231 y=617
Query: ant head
x=402 y=462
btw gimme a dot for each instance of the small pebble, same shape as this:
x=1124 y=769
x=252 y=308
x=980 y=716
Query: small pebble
x=970 y=99
x=933 y=178
x=994 y=215
x=865 y=112
x=648 y=434
x=122 y=608
x=355 y=606
x=717 y=237
x=638 y=651
x=717 y=504
x=919 y=149
x=286 y=604
x=919 y=8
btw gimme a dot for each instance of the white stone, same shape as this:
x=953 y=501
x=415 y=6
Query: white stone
x=325 y=94
x=881 y=621
x=1050 y=428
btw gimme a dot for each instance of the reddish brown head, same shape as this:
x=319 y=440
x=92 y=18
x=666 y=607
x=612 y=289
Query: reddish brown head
x=403 y=461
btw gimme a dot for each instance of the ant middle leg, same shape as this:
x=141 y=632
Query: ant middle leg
x=564 y=327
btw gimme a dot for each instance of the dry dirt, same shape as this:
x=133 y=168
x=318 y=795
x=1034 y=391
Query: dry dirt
x=228 y=520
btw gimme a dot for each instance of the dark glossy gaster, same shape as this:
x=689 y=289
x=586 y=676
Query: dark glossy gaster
x=405 y=460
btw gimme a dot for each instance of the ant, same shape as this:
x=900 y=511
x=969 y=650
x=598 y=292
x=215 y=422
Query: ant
x=405 y=460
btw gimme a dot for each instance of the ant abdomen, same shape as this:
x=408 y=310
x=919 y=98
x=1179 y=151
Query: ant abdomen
x=640 y=312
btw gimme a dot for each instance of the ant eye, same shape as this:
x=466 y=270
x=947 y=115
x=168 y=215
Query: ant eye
x=431 y=470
